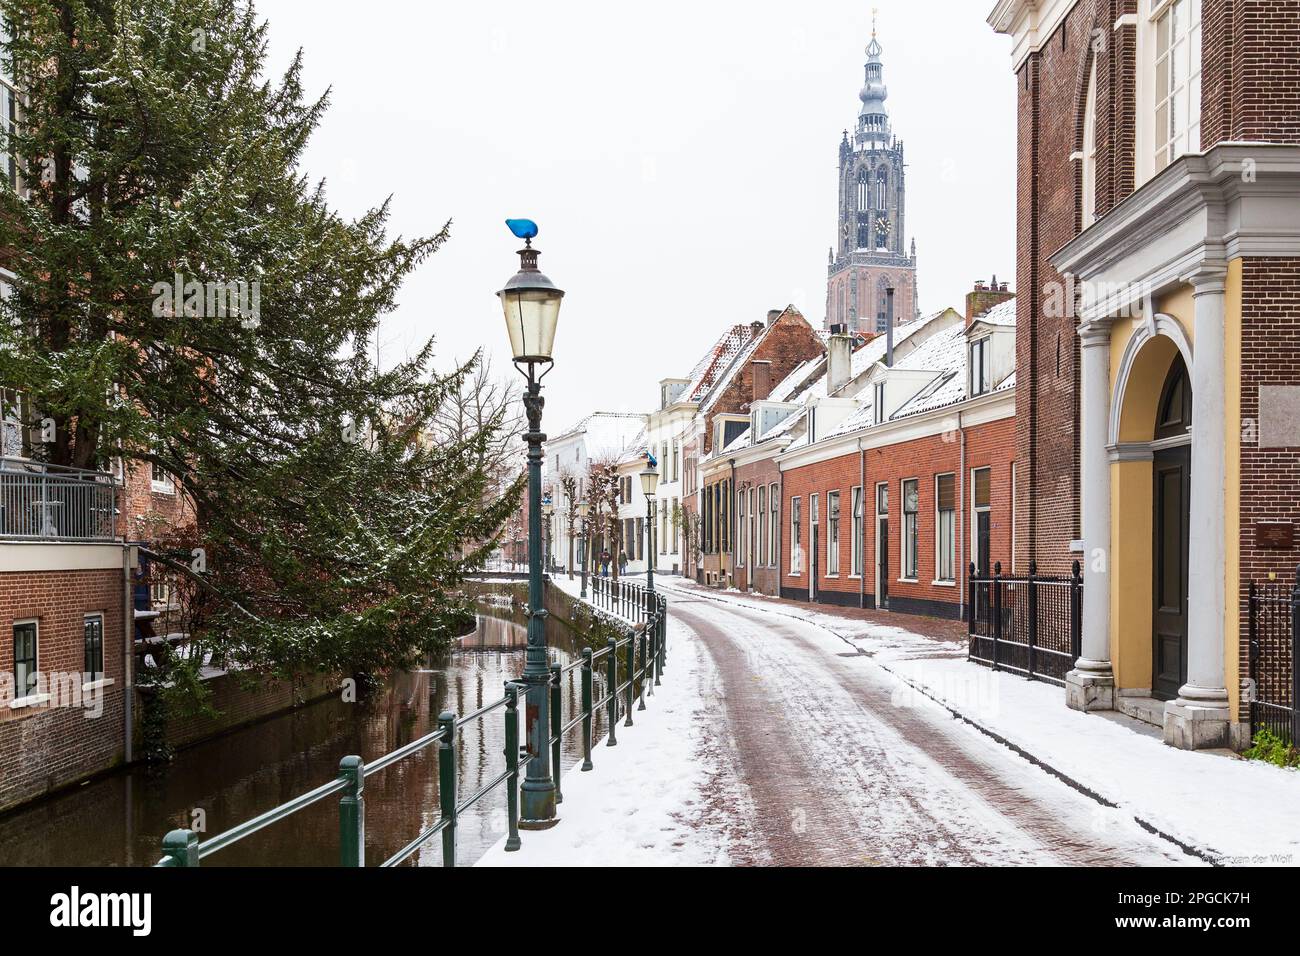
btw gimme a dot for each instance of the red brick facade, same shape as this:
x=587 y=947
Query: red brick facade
x=989 y=445
x=45 y=746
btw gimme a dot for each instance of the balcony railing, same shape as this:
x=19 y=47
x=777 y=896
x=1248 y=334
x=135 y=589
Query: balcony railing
x=42 y=502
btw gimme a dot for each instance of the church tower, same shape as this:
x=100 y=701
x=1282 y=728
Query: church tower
x=869 y=255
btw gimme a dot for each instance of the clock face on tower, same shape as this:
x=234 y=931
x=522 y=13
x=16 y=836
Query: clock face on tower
x=882 y=225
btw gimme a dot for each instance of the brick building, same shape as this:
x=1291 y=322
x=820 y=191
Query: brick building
x=888 y=499
x=773 y=350
x=1158 y=233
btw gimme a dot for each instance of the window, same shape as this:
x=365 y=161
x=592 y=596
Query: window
x=160 y=591
x=774 y=539
x=796 y=551
x=762 y=525
x=911 y=496
x=740 y=504
x=881 y=180
x=813 y=517
x=856 y=536
x=11 y=423
x=1088 y=175
x=162 y=481
x=672 y=530
x=945 y=509
x=677 y=460
x=863 y=186
x=755 y=523
x=882 y=500
x=878 y=403
x=981 y=366
x=1178 y=81
x=94 y=646
x=983 y=483
x=8 y=120
x=832 y=532
x=25 y=683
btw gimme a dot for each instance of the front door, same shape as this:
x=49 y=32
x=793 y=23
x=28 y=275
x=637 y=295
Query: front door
x=1172 y=517
x=882 y=564
x=983 y=565
x=812 y=564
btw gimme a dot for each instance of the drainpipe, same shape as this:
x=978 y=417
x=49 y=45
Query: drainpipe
x=889 y=327
x=961 y=511
x=128 y=651
x=862 y=525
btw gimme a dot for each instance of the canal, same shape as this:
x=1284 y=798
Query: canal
x=120 y=819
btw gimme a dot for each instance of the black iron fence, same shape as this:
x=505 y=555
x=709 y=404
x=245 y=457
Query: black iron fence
x=1274 y=614
x=1030 y=625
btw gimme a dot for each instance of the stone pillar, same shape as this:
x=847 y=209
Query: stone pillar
x=1091 y=684
x=1200 y=716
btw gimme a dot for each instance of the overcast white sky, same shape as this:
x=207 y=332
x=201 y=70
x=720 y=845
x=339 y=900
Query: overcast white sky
x=679 y=157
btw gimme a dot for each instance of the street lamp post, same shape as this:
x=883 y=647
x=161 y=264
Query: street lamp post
x=583 y=509
x=531 y=304
x=650 y=482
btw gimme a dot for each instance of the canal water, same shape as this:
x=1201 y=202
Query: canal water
x=121 y=819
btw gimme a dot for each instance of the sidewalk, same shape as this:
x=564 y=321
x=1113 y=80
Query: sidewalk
x=1225 y=810
x=665 y=795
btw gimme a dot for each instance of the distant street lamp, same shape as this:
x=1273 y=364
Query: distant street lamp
x=649 y=483
x=531 y=304
x=583 y=509
x=548 y=510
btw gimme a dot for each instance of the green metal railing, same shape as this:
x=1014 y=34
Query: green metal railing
x=644 y=621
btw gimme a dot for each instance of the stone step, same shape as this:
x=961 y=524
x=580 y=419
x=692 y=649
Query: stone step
x=1146 y=709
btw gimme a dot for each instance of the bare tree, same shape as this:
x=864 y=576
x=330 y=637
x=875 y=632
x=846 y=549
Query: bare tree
x=482 y=399
x=569 y=485
x=603 y=493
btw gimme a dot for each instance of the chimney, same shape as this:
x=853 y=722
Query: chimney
x=761 y=372
x=889 y=327
x=772 y=316
x=984 y=297
x=839 y=359
x=756 y=328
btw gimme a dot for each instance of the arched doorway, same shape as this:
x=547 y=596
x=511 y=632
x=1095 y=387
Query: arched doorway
x=1171 y=518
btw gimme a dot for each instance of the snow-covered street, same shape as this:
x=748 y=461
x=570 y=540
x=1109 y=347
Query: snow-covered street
x=845 y=766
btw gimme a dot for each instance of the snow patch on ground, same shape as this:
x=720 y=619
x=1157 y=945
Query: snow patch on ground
x=665 y=795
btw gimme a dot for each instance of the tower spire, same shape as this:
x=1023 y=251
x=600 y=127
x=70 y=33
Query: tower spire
x=873 y=118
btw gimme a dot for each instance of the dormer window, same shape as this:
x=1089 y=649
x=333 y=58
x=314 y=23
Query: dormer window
x=981 y=367
x=878 y=403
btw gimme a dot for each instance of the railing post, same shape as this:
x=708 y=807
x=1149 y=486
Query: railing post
x=181 y=847
x=1076 y=610
x=997 y=610
x=1033 y=616
x=1295 y=660
x=645 y=668
x=587 y=698
x=352 y=813
x=650 y=659
x=663 y=634
x=631 y=676
x=970 y=610
x=611 y=677
x=447 y=785
x=557 y=722
x=512 y=765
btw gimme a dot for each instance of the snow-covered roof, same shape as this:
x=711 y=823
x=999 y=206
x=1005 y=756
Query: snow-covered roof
x=716 y=361
x=790 y=387
x=606 y=433
x=1004 y=313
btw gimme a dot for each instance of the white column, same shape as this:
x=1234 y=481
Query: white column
x=1091 y=685
x=1199 y=717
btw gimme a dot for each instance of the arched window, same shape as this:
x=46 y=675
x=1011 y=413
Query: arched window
x=882 y=179
x=1088 y=202
x=862 y=190
x=1175 y=415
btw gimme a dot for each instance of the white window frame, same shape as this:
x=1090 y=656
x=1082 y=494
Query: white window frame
x=26 y=700
x=774 y=532
x=878 y=400
x=858 y=537
x=980 y=365
x=1165 y=146
x=952 y=550
x=796 y=529
x=903 y=574
x=93 y=677
x=975 y=511
x=832 y=534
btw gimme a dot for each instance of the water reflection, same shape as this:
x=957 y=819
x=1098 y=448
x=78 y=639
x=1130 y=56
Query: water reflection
x=121 y=819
